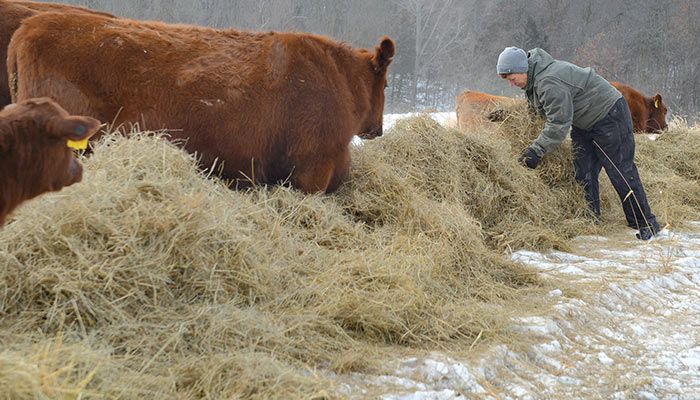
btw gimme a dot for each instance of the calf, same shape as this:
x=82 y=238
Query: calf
x=12 y=13
x=36 y=137
x=269 y=107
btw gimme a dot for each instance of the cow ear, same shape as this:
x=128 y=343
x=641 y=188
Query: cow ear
x=657 y=100
x=73 y=127
x=384 y=54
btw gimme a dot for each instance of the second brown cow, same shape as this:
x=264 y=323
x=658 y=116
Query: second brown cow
x=268 y=106
x=648 y=113
x=12 y=13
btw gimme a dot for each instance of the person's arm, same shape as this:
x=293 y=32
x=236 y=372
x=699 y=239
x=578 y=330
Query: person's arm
x=559 y=114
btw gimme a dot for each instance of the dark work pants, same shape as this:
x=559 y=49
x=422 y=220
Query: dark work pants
x=609 y=144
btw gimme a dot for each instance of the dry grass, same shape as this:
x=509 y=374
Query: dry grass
x=670 y=169
x=186 y=288
x=148 y=280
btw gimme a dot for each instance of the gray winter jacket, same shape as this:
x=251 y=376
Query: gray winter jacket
x=565 y=95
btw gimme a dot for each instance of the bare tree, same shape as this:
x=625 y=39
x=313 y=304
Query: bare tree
x=437 y=30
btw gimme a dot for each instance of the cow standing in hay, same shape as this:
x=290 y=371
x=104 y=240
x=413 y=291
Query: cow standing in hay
x=648 y=113
x=36 y=137
x=269 y=106
x=12 y=13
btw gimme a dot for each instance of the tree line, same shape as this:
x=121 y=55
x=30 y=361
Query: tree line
x=447 y=46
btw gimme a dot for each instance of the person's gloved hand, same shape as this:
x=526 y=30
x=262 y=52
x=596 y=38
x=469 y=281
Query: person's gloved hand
x=529 y=158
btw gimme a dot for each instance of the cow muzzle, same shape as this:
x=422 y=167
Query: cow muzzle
x=371 y=134
x=656 y=126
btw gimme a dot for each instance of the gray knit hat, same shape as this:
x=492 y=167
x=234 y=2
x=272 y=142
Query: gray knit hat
x=512 y=60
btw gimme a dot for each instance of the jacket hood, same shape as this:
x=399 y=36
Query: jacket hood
x=538 y=60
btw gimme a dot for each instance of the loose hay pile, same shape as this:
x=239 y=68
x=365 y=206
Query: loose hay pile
x=148 y=280
x=670 y=169
x=172 y=285
x=424 y=166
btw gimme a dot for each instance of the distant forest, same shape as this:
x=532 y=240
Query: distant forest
x=447 y=46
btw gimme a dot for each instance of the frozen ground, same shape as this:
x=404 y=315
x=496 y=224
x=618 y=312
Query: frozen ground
x=634 y=334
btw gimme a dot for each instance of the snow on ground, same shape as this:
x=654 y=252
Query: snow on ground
x=635 y=335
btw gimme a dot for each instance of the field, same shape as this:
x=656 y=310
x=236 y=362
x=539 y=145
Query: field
x=152 y=280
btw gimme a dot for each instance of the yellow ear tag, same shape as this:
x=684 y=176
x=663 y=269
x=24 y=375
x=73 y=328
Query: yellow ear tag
x=77 y=144
x=656 y=103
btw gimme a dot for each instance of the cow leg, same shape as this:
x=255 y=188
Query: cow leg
x=341 y=172
x=314 y=177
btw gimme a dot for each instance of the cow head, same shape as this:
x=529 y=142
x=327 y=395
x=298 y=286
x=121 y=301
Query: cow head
x=657 y=114
x=378 y=67
x=35 y=156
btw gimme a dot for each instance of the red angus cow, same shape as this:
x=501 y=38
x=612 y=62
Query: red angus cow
x=271 y=106
x=648 y=113
x=474 y=108
x=12 y=13
x=34 y=153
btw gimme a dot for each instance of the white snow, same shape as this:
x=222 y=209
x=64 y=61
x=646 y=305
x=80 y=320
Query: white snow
x=444 y=118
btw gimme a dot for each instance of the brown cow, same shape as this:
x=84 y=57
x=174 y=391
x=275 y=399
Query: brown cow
x=473 y=108
x=12 y=13
x=270 y=106
x=35 y=156
x=648 y=113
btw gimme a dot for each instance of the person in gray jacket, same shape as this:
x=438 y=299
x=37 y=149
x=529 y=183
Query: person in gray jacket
x=571 y=97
